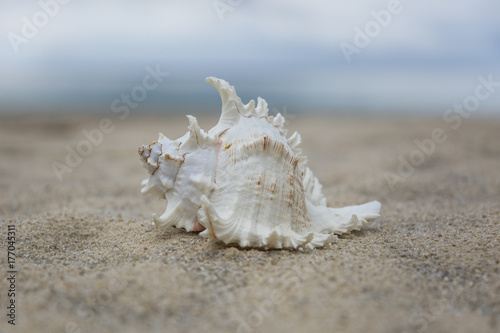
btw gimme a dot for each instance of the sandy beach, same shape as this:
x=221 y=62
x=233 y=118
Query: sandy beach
x=89 y=260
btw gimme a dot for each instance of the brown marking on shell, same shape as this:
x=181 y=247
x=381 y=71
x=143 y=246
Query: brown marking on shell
x=170 y=158
x=291 y=197
x=223 y=132
x=266 y=142
x=142 y=150
x=158 y=161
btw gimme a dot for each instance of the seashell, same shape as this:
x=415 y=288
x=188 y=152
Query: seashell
x=243 y=182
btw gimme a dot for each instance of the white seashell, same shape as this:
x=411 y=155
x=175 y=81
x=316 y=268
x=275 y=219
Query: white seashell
x=244 y=182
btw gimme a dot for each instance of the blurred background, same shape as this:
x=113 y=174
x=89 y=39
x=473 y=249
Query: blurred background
x=369 y=57
x=367 y=83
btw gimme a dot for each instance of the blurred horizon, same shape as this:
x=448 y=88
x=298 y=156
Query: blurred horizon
x=81 y=57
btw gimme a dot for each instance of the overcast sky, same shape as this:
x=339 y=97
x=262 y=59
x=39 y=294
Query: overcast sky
x=429 y=55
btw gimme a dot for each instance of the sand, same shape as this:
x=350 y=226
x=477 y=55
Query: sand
x=89 y=260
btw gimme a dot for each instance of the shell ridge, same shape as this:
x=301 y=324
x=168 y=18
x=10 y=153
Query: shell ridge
x=202 y=139
x=313 y=188
x=343 y=220
x=230 y=104
x=217 y=226
x=171 y=215
x=281 y=236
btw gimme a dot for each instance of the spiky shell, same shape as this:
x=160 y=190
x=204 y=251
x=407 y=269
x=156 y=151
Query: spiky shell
x=244 y=182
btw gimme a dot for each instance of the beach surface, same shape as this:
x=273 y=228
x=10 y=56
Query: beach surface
x=88 y=258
